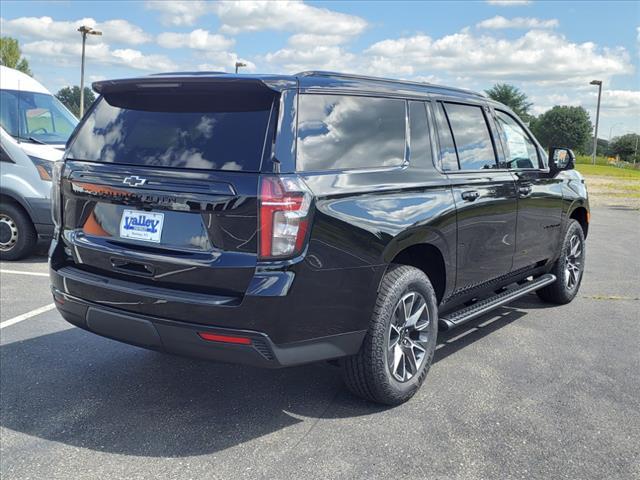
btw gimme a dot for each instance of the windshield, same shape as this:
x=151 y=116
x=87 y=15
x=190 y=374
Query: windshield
x=36 y=117
x=199 y=130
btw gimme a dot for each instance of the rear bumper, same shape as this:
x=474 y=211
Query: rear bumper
x=182 y=338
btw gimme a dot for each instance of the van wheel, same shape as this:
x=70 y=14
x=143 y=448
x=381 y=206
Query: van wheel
x=568 y=269
x=18 y=236
x=398 y=348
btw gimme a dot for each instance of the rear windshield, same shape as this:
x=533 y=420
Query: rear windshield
x=179 y=130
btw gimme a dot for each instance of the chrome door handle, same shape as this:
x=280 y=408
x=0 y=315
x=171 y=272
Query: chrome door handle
x=524 y=190
x=470 y=195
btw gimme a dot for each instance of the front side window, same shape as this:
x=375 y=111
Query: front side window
x=38 y=117
x=521 y=152
x=344 y=132
x=471 y=136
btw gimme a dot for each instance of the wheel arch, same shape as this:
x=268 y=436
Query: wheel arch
x=7 y=196
x=581 y=215
x=428 y=258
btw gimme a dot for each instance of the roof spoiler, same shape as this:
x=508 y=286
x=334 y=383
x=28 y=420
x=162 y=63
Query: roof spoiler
x=173 y=82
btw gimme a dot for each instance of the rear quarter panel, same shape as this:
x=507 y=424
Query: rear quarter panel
x=363 y=219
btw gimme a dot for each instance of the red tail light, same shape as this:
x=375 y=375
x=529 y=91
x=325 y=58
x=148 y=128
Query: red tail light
x=213 y=337
x=284 y=216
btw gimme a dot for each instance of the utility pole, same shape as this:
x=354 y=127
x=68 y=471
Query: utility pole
x=595 y=135
x=84 y=31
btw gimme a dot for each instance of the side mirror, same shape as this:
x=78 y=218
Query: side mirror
x=561 y=158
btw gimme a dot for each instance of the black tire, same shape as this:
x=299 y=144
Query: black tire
x=18 y=236
x=565 y=288
x=367 y=374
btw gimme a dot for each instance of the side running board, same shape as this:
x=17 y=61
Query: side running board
x=459 y=317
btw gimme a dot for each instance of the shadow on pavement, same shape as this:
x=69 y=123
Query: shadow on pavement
x=82 y=390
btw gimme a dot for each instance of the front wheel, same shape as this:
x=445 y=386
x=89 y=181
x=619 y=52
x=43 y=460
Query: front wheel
x=398 y=348
x=568 y=269
x=18 y=236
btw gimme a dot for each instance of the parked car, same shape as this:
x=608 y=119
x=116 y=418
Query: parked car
x=281 y=220
x=34 y=127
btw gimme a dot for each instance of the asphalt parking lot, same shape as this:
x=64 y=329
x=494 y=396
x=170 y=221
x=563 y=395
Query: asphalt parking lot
x=530 y=391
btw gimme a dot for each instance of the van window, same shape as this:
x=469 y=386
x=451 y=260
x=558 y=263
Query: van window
x=35 y=116
x=521 y=151
x=471 y=136
x=176 y=130
x=342 y=132
x=448 y=155
x=419 y=135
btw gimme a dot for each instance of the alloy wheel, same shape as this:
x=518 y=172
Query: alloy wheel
x=408 y=337
x=573 y=264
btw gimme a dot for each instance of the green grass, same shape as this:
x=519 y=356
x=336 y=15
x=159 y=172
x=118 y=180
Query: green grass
x=608 y=171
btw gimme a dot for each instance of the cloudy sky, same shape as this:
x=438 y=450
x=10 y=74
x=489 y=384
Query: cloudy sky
x=551 y=50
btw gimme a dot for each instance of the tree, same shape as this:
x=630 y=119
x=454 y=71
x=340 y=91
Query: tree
x=512 y=97
x=70 y=98
x=563 y=126
x=625 y=146
x=11 y=56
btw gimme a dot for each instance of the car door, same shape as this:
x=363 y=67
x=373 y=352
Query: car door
x=539 y=194
x=485 y=196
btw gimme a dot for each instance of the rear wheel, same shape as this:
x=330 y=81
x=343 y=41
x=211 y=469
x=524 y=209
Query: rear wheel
x=18 y=236
x=568 y=269
x=398 y=348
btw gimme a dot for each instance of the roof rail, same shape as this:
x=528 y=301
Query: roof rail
x=325 y=73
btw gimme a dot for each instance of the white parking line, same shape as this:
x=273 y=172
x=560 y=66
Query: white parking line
x=26 y=316
x=18 y=272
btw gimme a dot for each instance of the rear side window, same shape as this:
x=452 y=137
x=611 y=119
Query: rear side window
x=419 y=135
x=343 y=132
x=448 y=155
x=471 y=136
x=178 y=130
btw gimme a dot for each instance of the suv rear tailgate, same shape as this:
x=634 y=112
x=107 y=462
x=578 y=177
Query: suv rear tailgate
x=161 y=182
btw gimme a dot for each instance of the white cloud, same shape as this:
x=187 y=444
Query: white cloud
x=198 y=39
x=499 y=22
x=115 y=31
x=251 y=16
x=305 y=40
x=508 y=3
x=293 y=60
x=537 y=56
x=179 y=13
x=68 y=54
x=225 y=62
x=621 y=102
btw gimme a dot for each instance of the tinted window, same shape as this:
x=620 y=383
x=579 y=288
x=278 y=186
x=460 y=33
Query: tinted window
x=521 y=151
x=339 y=132
x=471 y=136
x=419 y=135
x=448 y=154
x=184 y=130
x=39 y=116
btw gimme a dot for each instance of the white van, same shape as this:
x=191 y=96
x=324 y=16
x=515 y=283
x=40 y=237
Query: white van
x=34 y=127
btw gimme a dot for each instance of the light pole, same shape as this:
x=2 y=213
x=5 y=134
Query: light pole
x=595 y=135
x=240 y=64
x=84 y=31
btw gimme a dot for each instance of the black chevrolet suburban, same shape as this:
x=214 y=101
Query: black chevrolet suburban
x=280 y=220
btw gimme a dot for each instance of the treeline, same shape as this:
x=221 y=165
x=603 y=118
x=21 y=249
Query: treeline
x=565 y=126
